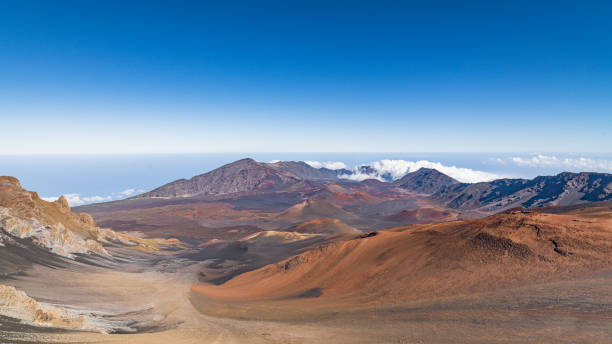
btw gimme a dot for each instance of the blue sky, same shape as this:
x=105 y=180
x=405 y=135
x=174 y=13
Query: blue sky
x=381 y=76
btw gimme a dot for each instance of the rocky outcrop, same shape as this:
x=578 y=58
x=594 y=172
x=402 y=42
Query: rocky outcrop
x=10 y=181
x=56 y=238
x=50 y=225
x=62 y=204
x=16 y=304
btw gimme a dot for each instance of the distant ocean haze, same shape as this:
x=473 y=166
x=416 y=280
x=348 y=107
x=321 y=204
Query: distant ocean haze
x=98 y=178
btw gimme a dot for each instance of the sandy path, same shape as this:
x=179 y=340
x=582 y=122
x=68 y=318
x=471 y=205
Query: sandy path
x=577 y=311
x=156 y=299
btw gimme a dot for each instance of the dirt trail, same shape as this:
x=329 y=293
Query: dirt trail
x=577 y=311
x=159 y=301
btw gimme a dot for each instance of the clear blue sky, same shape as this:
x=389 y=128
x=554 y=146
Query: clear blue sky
x=385 y=76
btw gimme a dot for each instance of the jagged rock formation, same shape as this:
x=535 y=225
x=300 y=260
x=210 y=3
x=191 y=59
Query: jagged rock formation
x=17 y=304
x=55 y=238
x=50 y=225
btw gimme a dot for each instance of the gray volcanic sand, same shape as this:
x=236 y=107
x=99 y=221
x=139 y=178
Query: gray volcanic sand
x=154 y=300
x=158 y=300
x=574 y=311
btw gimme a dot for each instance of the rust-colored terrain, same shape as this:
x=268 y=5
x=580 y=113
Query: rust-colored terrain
x=518 y=276
x=286 y=253
x=445 y=259
x=249 y=196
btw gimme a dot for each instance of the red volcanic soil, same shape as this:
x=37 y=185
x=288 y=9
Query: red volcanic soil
x=424 y=261
x=313 y=209
x=422 y=215
x=267 y=184
x=325 y=225
x=181 y=221
x=359 y=197
x=212 y=242
x=380 y=189
x=208 y=210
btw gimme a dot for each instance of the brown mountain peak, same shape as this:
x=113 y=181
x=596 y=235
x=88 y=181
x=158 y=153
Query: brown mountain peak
x=62 y=204
x=425 y=180
x=10 y=181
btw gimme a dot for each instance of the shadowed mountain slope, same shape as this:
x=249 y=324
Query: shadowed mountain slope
x=563 y=189
x=242 y=175
x=304 y=171
x=425 y=180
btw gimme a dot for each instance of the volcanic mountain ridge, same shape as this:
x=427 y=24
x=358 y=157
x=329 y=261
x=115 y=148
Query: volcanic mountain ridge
x=563 y=189
x=425 y=180
x=244 y=175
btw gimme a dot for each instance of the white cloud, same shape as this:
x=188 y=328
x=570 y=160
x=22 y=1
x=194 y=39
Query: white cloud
x=360 y=176
x=127 y=192
x=396 y=169
x=332 y=165
x=49 y=199
x=75 y=199
x=274 y=161
x=314 y=164
x=580 y=164
x=94 y=199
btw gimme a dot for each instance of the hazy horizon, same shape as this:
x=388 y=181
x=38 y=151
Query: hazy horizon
x=100 y=178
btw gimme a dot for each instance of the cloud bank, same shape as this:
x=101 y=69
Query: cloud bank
x=127 y=192
x=75 y=199
x=580 y=164
x=332 y=165
x=385 y=170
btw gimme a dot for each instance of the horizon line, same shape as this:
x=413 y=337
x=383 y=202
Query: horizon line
x=300 y=152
